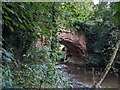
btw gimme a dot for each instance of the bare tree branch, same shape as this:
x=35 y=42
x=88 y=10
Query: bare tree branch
x=105 y=72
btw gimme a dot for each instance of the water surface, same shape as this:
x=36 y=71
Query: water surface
x=81 y=77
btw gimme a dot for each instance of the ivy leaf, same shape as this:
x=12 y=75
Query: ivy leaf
x=15 y=23
x=7 y=17
x=43 y=28
x=11 y=28
x=10 y=10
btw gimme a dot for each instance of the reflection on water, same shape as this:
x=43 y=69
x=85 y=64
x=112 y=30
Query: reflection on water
x=86 y=76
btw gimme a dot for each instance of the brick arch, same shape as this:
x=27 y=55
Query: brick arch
x=74 y=41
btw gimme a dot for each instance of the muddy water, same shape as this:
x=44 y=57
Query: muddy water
x=81 y=77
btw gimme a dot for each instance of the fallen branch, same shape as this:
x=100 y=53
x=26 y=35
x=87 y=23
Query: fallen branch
x=105 y=72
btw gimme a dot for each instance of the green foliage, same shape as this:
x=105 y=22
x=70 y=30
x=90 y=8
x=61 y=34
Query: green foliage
x=20 y=20
x=37 y=67
x=40 y=72
x=100 y=39
x=37 y=74
x=7 y=62
x=7 y=57
x=61 y=55
x=116 y=8
x=18 y=26
x=72 y=12
x=99 y=31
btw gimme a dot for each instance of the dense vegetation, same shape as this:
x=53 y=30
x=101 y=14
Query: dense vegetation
x=25 y=65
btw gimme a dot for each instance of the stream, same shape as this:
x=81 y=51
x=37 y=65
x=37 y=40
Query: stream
x=85 y=77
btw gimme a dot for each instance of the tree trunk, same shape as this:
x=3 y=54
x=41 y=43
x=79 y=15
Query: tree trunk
x=105 y=72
